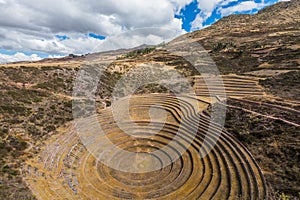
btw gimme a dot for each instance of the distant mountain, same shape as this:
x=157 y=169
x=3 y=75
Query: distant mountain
x=258 y=56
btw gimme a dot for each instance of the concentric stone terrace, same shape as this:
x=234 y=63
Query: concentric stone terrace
x=229 y=85
x=214 y=164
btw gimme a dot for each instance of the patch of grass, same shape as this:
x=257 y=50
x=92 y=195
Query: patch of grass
x=139 y=52
x=273 y=144
x=222 y=45
x=284 y=85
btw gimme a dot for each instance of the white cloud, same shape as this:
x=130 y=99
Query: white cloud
x=18 y=57
x=198 y=22
x=140 y=36
x=32 y=25
x=208 y=6
x=55 y=56
x=179 y=4
x=243 y=6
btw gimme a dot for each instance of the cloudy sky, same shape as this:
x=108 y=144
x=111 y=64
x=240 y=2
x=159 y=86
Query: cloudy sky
x=31 y=30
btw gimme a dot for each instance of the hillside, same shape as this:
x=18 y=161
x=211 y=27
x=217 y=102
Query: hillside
x=258 y=57
x=244 y=43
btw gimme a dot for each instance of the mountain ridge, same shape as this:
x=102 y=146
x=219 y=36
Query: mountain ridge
x=257 y=55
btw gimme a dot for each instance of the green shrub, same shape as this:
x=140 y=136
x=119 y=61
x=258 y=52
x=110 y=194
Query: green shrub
x=138 y=52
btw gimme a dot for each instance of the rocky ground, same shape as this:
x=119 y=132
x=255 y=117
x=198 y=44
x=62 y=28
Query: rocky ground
x=36 y=98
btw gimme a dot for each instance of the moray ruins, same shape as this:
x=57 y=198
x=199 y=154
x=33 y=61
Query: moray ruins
x=153 y=122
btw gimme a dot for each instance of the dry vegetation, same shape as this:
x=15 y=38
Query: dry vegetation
x=42 y=157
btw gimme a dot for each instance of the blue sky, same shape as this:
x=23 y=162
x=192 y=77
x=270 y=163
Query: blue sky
x=48 y=30
x=189 y=12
